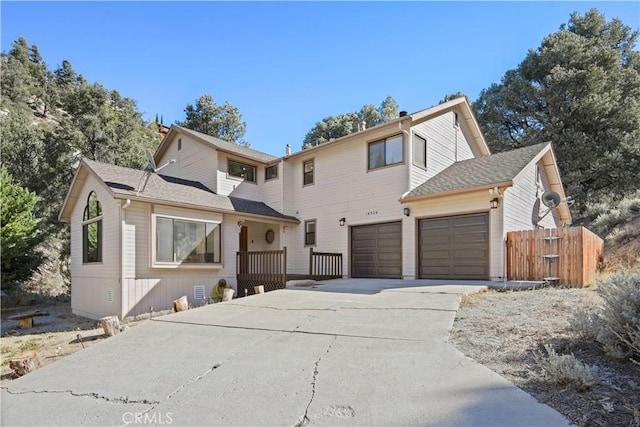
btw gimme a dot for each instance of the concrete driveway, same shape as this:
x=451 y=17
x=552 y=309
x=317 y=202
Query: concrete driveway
x=349 y=352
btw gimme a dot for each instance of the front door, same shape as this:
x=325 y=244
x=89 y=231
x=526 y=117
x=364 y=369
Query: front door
x=244 y=247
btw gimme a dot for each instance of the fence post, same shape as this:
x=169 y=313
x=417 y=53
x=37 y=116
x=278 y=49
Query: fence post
x=311 y=262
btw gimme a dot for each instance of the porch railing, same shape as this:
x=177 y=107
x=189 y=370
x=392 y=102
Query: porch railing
x=325 y=265
x=267 y=268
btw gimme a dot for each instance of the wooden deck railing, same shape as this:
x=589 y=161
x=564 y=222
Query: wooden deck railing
x=325 y=265
x=568 y=256
x=267 y=268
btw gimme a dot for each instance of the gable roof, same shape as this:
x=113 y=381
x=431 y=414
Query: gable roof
x=459 y=105
x=490 y=171
x=496 y=170
x=219 y=144
x=123 y=183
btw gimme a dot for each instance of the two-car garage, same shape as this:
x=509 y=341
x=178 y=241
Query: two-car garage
x=452 y=247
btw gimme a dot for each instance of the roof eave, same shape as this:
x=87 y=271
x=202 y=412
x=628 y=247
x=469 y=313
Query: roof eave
x=393 y=124
x=463 y=106
x=457 y=191
x=142 y=199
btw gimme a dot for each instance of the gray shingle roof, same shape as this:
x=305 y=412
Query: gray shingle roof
x=230 y=146
x=125 y=181
x=480 y=171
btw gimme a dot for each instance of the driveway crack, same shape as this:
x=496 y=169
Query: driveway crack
x=123 y=400
x=304 y=420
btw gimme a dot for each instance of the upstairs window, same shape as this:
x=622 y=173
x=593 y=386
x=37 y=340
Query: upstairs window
x=242 y=171
x=307 y=172
x=92 y=230
x=419 y=151
x=271 y=172
x=310 y=232
x=385 y=152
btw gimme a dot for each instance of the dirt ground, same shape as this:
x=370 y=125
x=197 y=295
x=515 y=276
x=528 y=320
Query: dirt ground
x=52 y=337
x=502 y=330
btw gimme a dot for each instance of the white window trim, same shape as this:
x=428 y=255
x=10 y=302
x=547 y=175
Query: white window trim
x=417 y=135
x=87 y=222
x=238 y=178
x=198 y=266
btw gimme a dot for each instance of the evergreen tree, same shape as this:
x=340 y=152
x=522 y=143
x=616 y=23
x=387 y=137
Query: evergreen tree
x=222 y=121
x=19 y=237
x=581 y=90
x=333 y=127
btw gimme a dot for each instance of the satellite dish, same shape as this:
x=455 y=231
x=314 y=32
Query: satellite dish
x=151 y=163
x=151 y=168
x=551 y=199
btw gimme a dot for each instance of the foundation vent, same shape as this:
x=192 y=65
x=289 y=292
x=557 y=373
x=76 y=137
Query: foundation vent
x=198 y=293
x=110 y=295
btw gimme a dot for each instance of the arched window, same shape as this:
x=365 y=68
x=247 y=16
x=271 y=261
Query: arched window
x=92 y=230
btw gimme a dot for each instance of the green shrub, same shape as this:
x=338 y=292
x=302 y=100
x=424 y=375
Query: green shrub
x=614 y=221
x=565 y=369
x=620 y=315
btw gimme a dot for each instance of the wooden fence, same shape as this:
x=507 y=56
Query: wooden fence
x=324 y=265
x=568 y=256
x=268 y=268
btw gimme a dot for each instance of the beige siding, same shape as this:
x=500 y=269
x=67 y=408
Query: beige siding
x=158 y=287
x=446 y=144
x=453 y=205
x=343 y=187
x=271 y=190
x=194 y=161
x=237 y=187
x=92 y=284
x=519 y=200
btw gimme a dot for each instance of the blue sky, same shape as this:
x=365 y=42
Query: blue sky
x=287 y=65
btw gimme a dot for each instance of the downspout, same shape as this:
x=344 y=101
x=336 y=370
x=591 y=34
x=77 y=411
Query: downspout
x=122 y=218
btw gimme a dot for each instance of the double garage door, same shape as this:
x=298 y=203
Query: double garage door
x=454 y=247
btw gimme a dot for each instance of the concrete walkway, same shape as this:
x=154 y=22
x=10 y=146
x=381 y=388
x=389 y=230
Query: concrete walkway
x=344 y=353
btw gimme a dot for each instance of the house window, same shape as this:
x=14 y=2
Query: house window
x=310 y=232
x=92 y=230
x=271 y=172
x=307 y=172
x=419 y=151
x=385 y=152
x=179 y=144
x=180 y=240
x=241 y=170
x=455 y=119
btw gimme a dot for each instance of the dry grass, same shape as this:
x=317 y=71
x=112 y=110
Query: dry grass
x=504 y=331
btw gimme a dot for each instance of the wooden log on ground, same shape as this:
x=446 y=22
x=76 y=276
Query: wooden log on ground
x=181 y=304
x=24 y=363
x=111 y=325
x=258 y=289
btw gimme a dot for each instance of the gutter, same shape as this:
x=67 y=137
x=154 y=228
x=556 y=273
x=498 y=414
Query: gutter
x=503 y=184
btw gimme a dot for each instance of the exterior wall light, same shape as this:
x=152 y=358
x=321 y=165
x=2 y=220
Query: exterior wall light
x=407 y=211
x=494 y=203
x=342 y=221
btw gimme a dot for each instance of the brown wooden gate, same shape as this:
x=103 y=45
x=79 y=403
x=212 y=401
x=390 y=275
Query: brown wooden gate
x=569 y=256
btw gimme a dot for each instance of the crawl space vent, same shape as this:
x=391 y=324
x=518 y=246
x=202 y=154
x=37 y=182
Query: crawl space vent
x=110 y=295
x=198 y=293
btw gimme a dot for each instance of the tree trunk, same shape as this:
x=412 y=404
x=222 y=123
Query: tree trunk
x=24 y=363
x=181 y=304
x=111 y=325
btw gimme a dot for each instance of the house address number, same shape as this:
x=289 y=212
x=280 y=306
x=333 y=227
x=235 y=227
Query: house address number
x=372 y=213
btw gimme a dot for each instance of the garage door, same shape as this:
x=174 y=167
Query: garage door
x=454 y=247
x=376 y=250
